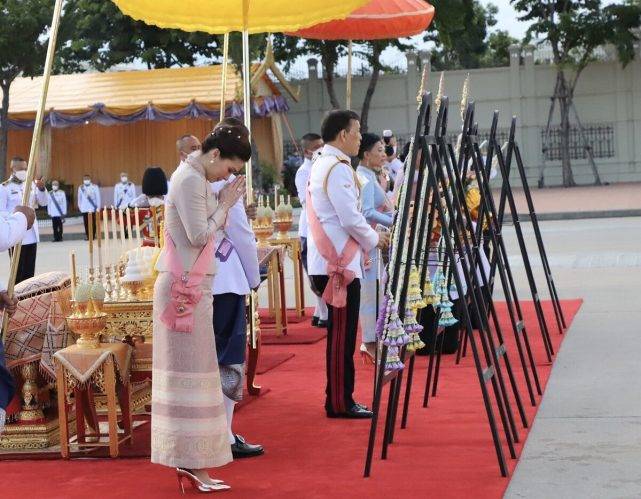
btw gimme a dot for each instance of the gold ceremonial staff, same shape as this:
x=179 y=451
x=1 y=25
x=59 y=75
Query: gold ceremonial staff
x=35 y=144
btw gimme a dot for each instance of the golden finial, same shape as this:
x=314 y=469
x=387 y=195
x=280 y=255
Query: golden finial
x=421 y=89
x=439 y=94
x=465 y=94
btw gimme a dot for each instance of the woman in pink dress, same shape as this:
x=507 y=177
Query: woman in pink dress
x=188 y=422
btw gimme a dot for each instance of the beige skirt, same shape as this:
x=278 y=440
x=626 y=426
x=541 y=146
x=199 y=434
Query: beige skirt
x=188 y=421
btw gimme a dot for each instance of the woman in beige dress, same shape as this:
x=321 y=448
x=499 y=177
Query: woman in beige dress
x=188 y=421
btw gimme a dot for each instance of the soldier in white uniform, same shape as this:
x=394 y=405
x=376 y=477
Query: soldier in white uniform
x=237 y=274
x=124 y=192
x=335 y=223
x=88 y=203
x=13 y=228
x=11 y=193
x=311 y=143
x=57 y=210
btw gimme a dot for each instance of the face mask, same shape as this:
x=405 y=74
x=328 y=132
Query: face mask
x=54 y=187
x=87 y=182
x=123 y=180
x=21 y=175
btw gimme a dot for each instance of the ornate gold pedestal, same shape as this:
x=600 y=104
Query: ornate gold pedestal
x=293 y=250
x=129 y=319
x=25 y=437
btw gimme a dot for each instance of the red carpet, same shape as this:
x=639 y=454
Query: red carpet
x=298 y=332
x=446 y=452
x=269 y=360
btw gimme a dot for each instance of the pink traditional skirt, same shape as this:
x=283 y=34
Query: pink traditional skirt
x=188 y=421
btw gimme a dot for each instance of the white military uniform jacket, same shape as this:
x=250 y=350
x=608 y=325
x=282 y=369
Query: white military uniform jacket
x=61 y=199
x=239 y=273
x=335 y=197
x=302 y=178
x=12 y=229
x=11 y=196
x=85 y=193
x=124 y=194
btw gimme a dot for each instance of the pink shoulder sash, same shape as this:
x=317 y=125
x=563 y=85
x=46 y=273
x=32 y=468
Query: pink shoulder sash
x=185 y=290
x=339 y=276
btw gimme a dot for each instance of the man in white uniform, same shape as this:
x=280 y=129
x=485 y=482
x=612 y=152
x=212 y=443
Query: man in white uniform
x=336 y=224
x=393 y=165
x=236 y=275
x=57 y=210
x=13 y=228
x=124 y=192
x=311 y=144
x=11 y=193
x=89 y=203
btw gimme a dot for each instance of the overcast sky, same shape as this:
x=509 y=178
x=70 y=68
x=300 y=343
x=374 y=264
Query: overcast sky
x=507 y=18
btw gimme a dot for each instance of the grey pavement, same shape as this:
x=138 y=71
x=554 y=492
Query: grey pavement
x=586 y=438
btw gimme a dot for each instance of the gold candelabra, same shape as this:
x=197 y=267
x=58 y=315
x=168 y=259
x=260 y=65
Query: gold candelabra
x=263 y=226
x=284 y=217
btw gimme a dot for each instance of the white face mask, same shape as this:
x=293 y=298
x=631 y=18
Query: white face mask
x=54 y=187
x=124 y=179
x=87 y=182
x=21 y=175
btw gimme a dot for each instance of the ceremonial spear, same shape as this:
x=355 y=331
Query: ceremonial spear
x=35 y=144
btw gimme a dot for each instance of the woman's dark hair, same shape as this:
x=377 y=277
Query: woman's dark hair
x=335 y=122
x=231 y=138
x=154 y=182
x=368 y=141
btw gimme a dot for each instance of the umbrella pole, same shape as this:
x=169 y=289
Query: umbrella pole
x=223 y=89
x=348 y=98
x=35 y=144
x=247 y=108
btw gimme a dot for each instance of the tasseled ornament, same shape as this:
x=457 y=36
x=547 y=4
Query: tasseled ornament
x=393 y=361
x=414 y=295
x=394 y=332
x=413 y=328
x=446 y=318
x=383 y=313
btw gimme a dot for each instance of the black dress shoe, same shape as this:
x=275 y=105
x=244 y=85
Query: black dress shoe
x=314 y=320
x=241 y=449
x=321 y=323
x=357 y=411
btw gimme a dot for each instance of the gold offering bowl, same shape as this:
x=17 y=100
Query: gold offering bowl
x=282 y=226
x=135 y=290
x=263 y=233
x=88 y=328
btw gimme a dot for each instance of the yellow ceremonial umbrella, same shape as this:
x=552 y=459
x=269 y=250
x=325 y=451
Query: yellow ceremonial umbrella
x=246 y=16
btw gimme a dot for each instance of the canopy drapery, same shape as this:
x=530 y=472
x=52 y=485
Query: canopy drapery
x=101 y=114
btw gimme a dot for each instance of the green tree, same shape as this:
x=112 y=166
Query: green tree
x=497 y=53
x=574 y=30
x=460 y=33
x=23 y=45
x=287 y=49
x=103 y=37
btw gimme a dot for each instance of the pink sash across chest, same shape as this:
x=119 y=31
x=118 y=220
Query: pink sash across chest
x=185 y=292
x=339 y=275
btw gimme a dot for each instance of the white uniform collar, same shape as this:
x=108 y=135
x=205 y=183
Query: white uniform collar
x=329 y=150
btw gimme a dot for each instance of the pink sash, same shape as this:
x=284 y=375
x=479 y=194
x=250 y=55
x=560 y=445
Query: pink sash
x=339 y=276
x=185 y=289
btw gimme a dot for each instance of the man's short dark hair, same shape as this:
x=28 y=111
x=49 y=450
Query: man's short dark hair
x=308 y=138
x=335 y=122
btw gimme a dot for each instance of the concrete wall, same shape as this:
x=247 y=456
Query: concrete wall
x=608 y=97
